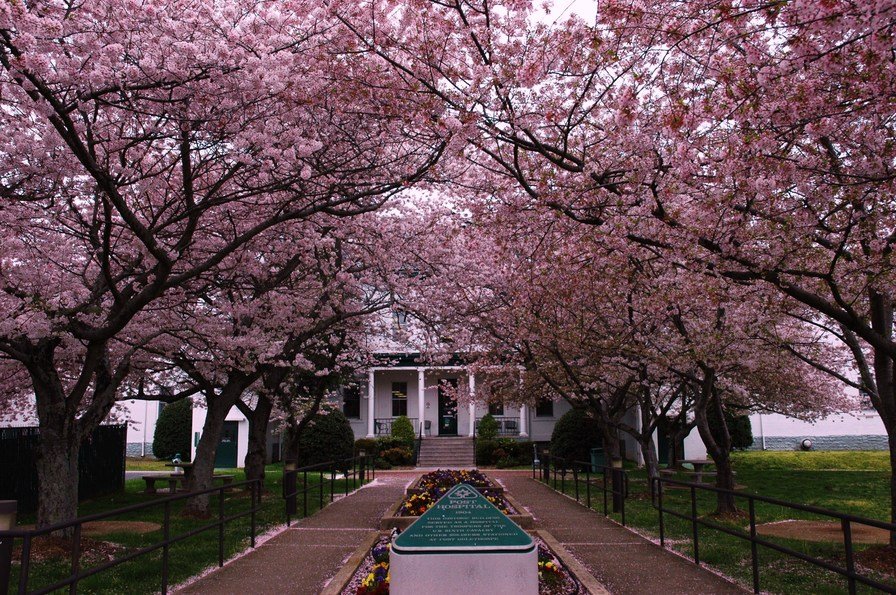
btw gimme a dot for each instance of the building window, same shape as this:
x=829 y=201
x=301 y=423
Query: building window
x=399 y=398
x=496 y=408
x=351 y=402
x=544 y=408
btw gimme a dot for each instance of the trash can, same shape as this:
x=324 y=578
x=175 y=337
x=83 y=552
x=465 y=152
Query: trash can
x=597 y=459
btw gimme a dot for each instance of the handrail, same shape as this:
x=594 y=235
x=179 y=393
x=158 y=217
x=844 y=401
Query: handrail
x=362 y=467
x=77 y=574
x=418 y=444
x=614 y=485
x=846 y=521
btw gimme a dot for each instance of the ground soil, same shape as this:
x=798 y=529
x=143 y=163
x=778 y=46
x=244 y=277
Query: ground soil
x=879 y=558
x=46 y=547
x=823 y=531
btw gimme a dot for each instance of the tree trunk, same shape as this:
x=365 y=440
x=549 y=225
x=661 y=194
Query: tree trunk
x=204 y=464
x=57 y=476
x=648 y=451
x=256 y=457
x=717 y=450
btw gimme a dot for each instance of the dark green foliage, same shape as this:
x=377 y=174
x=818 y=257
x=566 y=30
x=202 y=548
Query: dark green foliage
x=488 y=427
x=398 y=456
x=403 y=429
x=739 y=427
x=368 y=445
x=575 y=433
x=503 y=452
x=172 y=435
x=386 y=442
x=328 y=437
x=484 y=449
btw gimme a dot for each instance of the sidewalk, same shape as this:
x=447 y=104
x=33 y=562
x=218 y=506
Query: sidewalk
x=304 y=557
x=624 y=562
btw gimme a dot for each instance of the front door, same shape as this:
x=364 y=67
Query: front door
x=447 y=407
x=225 y=455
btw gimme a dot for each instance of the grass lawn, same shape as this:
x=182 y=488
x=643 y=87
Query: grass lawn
x=848 y=482
x=187 y=557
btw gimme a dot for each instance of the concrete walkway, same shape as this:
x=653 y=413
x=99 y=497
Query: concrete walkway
x=304 y=557
x=621 y=560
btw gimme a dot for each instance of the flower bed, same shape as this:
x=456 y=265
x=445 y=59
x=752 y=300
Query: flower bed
x=426 y=491
x=372 y=576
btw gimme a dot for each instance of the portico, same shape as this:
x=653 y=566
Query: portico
x=427 y=395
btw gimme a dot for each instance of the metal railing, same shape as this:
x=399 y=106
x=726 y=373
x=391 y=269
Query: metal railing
x=356 y=471
x=507 y=426
x=613 y=483
x=77 y=574
x=418 y=443
x=846 y=522
x=382 y=426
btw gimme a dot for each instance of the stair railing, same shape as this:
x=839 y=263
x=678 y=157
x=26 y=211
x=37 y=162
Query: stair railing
x=418 y=443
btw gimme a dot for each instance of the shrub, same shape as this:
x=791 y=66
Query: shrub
x=368 y=445
x=384 y=443
x=503 y=452
x=739 y=428
x=574 y=435
x=172 y=435
x=328 y=437
x=488 y=427
x=403 y=429
x=484 y=450
x=398 y=456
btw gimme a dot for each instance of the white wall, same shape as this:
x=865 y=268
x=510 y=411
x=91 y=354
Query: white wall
x=242 y=448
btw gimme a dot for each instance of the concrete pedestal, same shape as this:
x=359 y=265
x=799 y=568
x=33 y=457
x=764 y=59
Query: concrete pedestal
x=464 y=574
x=463 y=545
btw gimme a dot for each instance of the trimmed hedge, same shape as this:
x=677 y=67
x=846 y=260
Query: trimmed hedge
x=574 y=435
x=503 y=452
x=172 y=435
x=403 y=429
x=328 y=437
x=488 y=427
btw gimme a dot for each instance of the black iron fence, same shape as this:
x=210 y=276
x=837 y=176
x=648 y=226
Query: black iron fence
x=308 y=482
x=101 y=460
x=583 y=478
x=74 y=527
x=847 y=521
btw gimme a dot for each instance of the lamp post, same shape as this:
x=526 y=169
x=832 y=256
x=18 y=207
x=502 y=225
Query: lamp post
x=8 y=509
x=362 y=454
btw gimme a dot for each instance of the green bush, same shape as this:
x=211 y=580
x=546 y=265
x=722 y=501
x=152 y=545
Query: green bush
x=398 y=456
x=384 y=443
x=488 y=427
x=368 y=445
x=172 y=435
x=328 y=437
x=503 y=452
x=484 y=450
x=575 y=433
x=403 y=429
x=739 y=428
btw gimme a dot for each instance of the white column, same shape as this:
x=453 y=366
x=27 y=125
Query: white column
x=524 y=422
x=421 y=395
x=370 y=408
x=472 y=405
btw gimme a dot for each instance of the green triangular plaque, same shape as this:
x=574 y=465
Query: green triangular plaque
x=463 y=520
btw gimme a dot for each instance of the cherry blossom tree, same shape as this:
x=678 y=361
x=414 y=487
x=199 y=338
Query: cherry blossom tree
x=144 y=147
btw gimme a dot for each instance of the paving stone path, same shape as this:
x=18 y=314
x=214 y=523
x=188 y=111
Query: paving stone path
x=304 y=557
x=622 y=561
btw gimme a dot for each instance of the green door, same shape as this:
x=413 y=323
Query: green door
x=447 y=408
x=225 y=456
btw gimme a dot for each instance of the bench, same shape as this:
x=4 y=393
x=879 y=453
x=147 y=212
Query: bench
x=172 y=480
x=696 y=475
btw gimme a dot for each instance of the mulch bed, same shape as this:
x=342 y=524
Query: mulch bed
x=823 y=531
x=881 y=559
x=49 y=547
